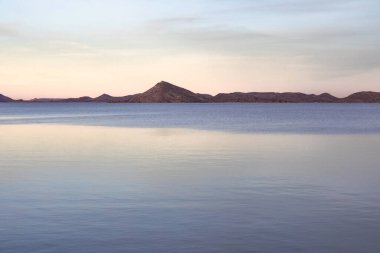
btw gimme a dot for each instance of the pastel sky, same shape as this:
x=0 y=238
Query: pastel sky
x=70 y=48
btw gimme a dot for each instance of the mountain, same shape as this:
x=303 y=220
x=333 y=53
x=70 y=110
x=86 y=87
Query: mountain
x=46 y=100
x=105 y=98
x=362 y=97
x=164 y=92
x=5 y=99
x=62 y=100
x=80 y=99
x=273 y=97
x=327 y=98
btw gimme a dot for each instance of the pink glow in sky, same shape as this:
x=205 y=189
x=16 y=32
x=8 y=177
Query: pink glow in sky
x=74 y=48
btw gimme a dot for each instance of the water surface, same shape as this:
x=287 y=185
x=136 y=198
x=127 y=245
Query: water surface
x=189 y=178
x=235 y=117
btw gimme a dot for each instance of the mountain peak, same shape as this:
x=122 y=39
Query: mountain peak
x=164 y=84
x=104 y=95
x=363 y=97
x=5 y=99
x=165 y=92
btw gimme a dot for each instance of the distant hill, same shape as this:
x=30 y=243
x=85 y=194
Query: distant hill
x=5 y=99
x=105 y=98
x=363 y=97
x=80 y=99
x=164 y=92
x=273 y=97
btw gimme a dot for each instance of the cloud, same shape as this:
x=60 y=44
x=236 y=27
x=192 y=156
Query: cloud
x=297 y=6
x=176 y=20
x=8 y=30
x=340 y=49
x=329 y=37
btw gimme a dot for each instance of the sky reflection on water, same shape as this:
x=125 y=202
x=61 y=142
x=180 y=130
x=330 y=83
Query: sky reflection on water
x=80 y=188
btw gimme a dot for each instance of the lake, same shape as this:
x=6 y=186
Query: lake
x=189 y=177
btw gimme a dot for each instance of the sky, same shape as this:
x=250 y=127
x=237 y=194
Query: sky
x=71 y=48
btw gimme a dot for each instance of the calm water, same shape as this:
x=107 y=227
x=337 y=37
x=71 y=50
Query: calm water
x=189 y=178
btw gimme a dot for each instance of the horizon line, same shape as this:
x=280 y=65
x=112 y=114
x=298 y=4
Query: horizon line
x=233 y=92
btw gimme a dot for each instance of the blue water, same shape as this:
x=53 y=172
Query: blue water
x=282 y=118
x=189 y=178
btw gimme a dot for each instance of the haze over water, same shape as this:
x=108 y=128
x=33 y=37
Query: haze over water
x=189 y=178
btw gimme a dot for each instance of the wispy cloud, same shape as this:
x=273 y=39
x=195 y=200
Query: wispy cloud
x=314 y=40
x=8 y=30
x=291 y=7
x=330 y=49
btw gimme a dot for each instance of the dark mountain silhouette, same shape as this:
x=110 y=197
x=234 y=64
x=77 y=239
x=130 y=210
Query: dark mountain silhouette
x=105 y=98
x=164 y=92
x=273 y=97
x=5 y=99
x=363 y=97
x=327 y=98
x=80 y=99
x=45 y=100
